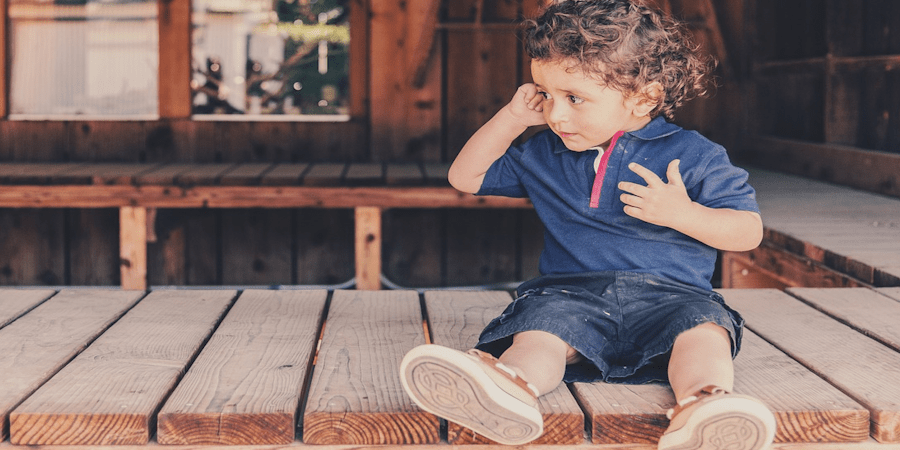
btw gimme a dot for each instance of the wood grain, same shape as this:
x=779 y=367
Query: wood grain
x=109 y=393
x=456 y=318
x=866 y=310
x=245 y=386
x=355 y=397
x=15 y=302
x=806 y=408
x=839 y=354
x=38 y=344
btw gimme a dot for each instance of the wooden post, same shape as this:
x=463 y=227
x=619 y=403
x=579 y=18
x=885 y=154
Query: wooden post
x=368 y=248
x=133 y=247
x=174 y=59
x=4 y=86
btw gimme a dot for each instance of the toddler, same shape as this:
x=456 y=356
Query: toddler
x=634 y=210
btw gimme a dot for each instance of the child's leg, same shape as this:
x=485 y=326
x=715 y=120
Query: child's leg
x=540 y=358
x=708 y=416
x=701 y=357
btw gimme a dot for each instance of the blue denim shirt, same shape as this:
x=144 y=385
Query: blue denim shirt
x=579 y=238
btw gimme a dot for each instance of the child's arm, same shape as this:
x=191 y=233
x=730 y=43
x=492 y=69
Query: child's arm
x=668 y=205
x=493 y=138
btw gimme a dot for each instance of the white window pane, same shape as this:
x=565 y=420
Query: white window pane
x=284 y=58
x=93 y=58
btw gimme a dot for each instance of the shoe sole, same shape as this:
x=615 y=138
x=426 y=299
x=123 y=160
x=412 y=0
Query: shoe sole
x=751 y=428
x=451 y=385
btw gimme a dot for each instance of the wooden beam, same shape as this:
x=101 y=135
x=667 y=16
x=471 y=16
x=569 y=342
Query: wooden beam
x=870 y=170
x=359 y=59
x=114 y=196
x=174 y=59
x=4 y=69
x=133 y=247
x=368 y=248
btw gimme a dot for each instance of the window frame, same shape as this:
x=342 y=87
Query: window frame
x=174 y=77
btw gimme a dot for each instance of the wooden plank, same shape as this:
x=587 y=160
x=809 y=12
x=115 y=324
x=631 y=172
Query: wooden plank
x=33 y=173
x=827 y=162
x=139 y=360
x=163 y=175
x=133 y=247
x=37 y=345
x=174 y=59
x=245 y=174
x=284 y=175
x=32 y=247
x=93 y=247
x=15 y=302
x=368 y=248
x=245 y=386
x=4 y=64
x=806 y=408
x=405 y=120
x=324 y=174
x=105 y=173
x=867 y=311
x=160 y=196
x=772 y=266
x=203 y=174
x=355 y=397
x=364 y=174
x=436 y=173
x=403 y=174
x=854 y=363
x=455 y=319
x=261 y=238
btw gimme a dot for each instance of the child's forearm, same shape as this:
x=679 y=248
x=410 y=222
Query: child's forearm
x=488 y=144
x=722 y=229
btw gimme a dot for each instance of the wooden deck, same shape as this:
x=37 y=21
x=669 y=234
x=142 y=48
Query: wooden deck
x=266 y=369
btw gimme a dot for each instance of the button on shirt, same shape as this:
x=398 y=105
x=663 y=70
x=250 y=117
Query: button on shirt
x=579 y=237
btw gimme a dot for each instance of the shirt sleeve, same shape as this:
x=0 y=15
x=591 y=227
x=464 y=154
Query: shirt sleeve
x=723 y=185
x=503 y=178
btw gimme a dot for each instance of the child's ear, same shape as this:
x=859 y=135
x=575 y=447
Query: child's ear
x=648 y=98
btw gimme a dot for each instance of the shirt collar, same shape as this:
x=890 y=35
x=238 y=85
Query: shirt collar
x=657 y=128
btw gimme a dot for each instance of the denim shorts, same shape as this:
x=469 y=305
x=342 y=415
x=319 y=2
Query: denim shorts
x=623 y=323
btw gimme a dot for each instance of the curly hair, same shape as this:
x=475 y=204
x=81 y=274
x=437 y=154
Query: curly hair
x=626 y=45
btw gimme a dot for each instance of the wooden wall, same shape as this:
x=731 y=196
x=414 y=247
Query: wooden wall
x=425 y=75
x=823 y=91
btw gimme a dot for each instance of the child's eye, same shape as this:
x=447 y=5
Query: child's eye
x=575 y=100
x=544 y=94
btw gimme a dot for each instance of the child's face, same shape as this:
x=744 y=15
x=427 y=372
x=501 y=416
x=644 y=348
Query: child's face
x=581 y=110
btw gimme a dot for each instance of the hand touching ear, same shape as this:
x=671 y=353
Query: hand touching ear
x=660 y=203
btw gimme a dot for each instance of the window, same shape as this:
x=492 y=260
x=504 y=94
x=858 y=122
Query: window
x=270 y=58
x=96 y=58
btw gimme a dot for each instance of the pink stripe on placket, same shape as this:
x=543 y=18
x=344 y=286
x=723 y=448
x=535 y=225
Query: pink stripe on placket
x=601 y=171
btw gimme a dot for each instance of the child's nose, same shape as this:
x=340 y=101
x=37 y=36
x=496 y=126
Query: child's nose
x=558 y=113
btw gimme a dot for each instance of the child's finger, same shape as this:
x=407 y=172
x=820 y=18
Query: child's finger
x=646 y=174
x=673 y=173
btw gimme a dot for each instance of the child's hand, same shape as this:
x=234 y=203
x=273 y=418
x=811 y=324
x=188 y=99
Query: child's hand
x=526 y=106
x=659 y=203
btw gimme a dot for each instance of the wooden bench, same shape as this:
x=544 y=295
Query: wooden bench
x=265 y=369
x=137 y=190
x=818 y=235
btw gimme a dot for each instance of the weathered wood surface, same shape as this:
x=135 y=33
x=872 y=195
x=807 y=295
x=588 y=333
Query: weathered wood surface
x=69 y=377
x=455 y=320
x=806 y=408
x=355 y=396
x=36 y=345
x=860 y=366
x=109 y=393
x=853 y=232
x=245 y=386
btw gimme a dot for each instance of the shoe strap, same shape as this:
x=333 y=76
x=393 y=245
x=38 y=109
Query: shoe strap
x=697 y=396
x=508 y=373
